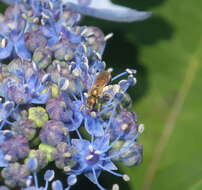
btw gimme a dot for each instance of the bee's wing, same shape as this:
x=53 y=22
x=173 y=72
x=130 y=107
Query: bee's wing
x=105 y=9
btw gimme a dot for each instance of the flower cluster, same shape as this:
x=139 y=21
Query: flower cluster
x=58 y=101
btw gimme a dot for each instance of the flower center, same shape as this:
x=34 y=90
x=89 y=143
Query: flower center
x=92 y=158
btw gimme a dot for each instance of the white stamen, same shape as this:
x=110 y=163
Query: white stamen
x=98 y=152
x=3 y=43
x=93 y=114
x=67 y=154
x=91 y=148
x=108 y=36
x=44 y=15
x=8 y=157
x=50 y=4
x=42 y=22
x=116 y=88
x=36 y=20
x=58 y=67
x=24 y=16
x=85 y=94
x=76 y=72
x=124 y=126
x=67 y=168
x=98 y=55
x=45 y=77
x=131 y=71
x=90 y=34
x=66 y=57
x=84 y=31
x=126 y=177
x=65 y=85
x=34 y=66
x=85 y=61
x=115 y=187
x=89 y=157
x=110 y=70
x=85 y=48
x=141 y=128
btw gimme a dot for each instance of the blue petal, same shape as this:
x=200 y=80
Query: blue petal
x=52 y=34
x=105 y=9
x=21 y=49
x=33 y=81
x=91 y=177
x=6 y=52
x=75 y=121
x=81 y=145
x=102 y=143
x=94 y=126
x=110 y=165
x=41 y=99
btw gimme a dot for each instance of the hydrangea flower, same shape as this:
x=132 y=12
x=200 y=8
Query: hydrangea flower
x=60 y=104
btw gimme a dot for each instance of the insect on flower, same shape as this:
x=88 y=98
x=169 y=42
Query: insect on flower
x=95 y=92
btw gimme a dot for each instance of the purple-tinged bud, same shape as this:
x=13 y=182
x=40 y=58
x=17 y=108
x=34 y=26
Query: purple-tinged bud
x=63 y=50
x=71 y=17
x=18 y=64
x=42 y=57
x=131 y=153
x=48 y=150
x=41 y=157
x=95 y=39
x=53 y=132
x=35 y=39
x=56 y=108
x=63 y=156
x=15 y=148
x=15 y=175
x=25 y=127
x=125 y=125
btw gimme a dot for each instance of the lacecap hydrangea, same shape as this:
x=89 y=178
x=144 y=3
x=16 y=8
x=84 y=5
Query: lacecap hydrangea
x=59 y=103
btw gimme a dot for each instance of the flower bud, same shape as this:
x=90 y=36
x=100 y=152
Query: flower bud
x=35 y=39
x=38 y=115
x=15 y=175
x=53 y=133
x=42 y=57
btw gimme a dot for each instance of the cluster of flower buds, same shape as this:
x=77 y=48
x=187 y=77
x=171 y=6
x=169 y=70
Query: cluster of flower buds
x=59 y=103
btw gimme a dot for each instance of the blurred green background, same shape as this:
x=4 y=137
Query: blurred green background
x=166 y=50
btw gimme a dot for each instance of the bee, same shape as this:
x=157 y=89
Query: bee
x=96 y=91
